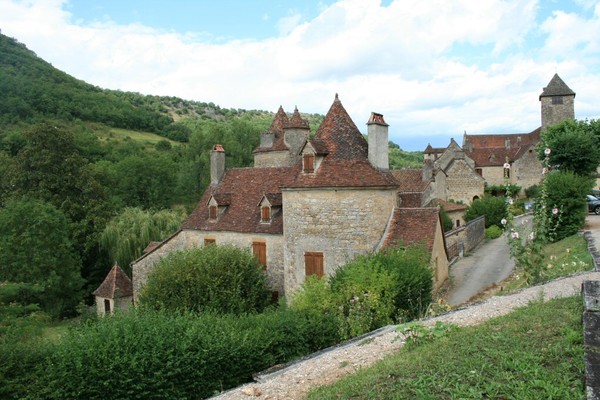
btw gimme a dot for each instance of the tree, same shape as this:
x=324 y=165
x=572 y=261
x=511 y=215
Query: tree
x=36 y=250
x=222 y=279
x=493 y=208
x=50 y=168
x=127 y=234
x=566 y=203
x=574 y=146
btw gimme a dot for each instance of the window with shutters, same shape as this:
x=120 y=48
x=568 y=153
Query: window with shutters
x=309 y=163
x=313 y=264
x=212 y=212
x=259 y=249
x=265 y=214
x=209 y=241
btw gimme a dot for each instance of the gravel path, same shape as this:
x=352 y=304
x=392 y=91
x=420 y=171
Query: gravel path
x=324 y=368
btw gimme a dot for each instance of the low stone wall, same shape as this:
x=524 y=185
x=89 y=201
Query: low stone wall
x=465 y=238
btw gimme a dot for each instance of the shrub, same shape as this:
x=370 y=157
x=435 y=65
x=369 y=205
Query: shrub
x=493 y=232
x=532 y=191
x=159 y=355
x=222 y=279
x=566 y=193
x=493 y=208
x=446 y=221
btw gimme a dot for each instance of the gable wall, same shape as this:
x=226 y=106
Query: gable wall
x=339 y=223
x=527 y=170
x=462 y=182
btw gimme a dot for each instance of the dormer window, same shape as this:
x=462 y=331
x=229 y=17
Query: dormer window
x=212 y=212
x=308 y=163
x=265 y=214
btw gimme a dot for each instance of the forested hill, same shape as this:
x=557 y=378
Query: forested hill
x=31 y=89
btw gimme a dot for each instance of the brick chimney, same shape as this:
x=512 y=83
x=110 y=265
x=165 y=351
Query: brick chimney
x=217 y=164
x=377 y=131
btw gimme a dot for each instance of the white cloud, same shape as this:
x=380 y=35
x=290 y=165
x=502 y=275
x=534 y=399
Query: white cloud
x=431 y=67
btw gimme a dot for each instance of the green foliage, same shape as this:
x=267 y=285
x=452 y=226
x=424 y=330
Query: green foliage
x=33 y=90
x=532 y=191
x=446 y=221
x=161 y=355
x=575 y=146
x=566 y=193
x=502 y=190
x=22 y=351
x=222 y=279
x=36 y=251
x=128 y=234
x=404 y=159
x=493 y=232
x=371 y=291
x=417 y=334
x=493 y=208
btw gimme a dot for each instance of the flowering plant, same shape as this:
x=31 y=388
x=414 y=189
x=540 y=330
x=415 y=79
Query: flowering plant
x=526 y=247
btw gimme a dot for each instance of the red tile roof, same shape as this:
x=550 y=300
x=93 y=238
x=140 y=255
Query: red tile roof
x=296 y=121
x=280 y=121
x=410 y=179
x=346 y=161
x=246 y=187
x=491 y=150
x=116 y=285
x=413 y=225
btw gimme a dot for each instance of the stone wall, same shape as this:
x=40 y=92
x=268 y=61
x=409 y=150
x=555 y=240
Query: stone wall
x=187 y=239
x=272 y=159
x=527 y=170
x=462 y=182
x=493 y=175
x=555 y=113
x=339 y=223
x=465 y=238
x=439 y=261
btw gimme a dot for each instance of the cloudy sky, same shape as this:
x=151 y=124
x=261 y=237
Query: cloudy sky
x=433 y=68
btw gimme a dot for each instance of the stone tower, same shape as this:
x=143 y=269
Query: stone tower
x=558 y=102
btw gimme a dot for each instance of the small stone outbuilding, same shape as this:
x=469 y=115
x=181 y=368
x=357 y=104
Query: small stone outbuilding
x=115 y=293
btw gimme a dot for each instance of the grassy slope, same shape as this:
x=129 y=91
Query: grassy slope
x=532 y=353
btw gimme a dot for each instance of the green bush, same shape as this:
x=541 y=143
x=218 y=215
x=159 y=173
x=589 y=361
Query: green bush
x=148 y=354
x=371 y=291
x=532 y=191
x=566 y=193
x=446 y=221
x=493 y=232
x=222 y=279
x=493 y=208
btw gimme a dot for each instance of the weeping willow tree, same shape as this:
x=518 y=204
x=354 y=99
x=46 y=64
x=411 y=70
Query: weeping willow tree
x=126 y=235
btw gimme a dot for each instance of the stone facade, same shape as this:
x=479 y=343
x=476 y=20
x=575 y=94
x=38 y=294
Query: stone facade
x=315 y=203
x=340 y=223
x=491 y=152
x=463 y=184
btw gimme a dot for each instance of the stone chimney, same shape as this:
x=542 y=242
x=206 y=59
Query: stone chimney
x=377 y=131
x=217 y=164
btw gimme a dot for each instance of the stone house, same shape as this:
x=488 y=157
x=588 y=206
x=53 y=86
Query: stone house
x=114 y=293
x=308 y=205
x=491 y=152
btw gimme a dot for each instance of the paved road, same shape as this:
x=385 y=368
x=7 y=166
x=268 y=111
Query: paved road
x=488 y=265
